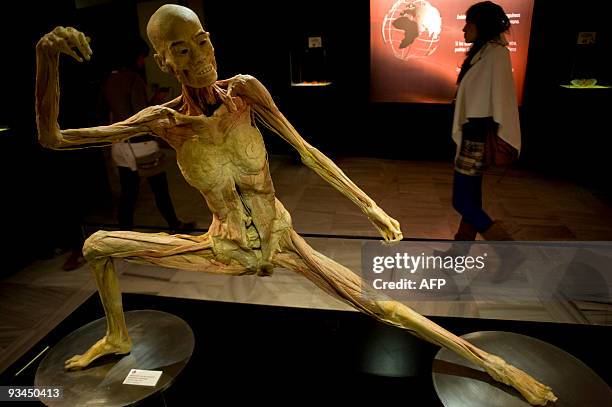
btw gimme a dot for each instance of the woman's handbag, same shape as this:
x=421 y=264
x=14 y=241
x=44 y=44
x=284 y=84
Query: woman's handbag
x=497 y=151
x=150 y=164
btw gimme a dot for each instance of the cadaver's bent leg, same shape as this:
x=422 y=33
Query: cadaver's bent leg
x=174 y=251
x=337 y=280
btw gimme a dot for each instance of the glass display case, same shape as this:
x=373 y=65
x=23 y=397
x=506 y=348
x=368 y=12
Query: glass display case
x=308 y=62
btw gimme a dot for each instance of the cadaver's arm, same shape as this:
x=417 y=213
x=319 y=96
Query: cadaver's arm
x=263 y=105
x=149 y=120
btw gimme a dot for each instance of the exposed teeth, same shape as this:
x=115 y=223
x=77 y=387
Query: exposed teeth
x=205 y=70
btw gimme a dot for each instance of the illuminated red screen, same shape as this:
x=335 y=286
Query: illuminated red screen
x=417 y=47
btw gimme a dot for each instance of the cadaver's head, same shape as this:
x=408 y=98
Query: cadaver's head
x=182 y=47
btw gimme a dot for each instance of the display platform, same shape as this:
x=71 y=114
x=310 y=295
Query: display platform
x=460 y=383
x=162 y=343
x=254 y=353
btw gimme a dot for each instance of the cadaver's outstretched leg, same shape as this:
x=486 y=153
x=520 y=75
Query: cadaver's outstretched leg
x=175 y=251
x=339 y=281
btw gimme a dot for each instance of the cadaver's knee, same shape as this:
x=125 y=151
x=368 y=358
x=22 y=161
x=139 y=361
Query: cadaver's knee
x=94 y=246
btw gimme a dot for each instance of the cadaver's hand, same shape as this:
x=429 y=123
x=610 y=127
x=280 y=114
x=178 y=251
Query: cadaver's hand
x=66 y=40
x=389 y=228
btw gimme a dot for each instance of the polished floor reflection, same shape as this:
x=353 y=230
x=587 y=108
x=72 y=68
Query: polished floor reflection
x=418 y=194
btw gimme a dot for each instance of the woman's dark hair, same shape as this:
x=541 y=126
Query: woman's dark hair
x=490 y=21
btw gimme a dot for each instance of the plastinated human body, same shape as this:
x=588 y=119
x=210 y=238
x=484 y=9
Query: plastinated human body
x=220 y=151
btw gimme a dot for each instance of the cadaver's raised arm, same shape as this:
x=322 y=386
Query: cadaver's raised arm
x=48 y=50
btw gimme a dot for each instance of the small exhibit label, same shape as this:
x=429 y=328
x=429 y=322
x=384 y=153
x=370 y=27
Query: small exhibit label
x=140 y=377
x=587 y=37
x=315 y=42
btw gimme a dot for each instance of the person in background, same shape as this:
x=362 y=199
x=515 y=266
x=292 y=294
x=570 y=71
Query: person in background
x=486 y=120
x=125 y=93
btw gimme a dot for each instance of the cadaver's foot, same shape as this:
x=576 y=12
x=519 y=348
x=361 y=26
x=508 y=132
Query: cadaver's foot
x=103 y=347
x=535 y=393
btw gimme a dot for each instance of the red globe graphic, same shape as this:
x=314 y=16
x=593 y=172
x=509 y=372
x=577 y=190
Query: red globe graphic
x=411 y=29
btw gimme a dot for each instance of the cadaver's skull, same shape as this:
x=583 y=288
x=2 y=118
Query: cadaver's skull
x=182 y=46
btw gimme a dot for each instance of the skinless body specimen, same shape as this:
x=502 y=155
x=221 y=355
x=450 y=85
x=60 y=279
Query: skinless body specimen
x=220 y=152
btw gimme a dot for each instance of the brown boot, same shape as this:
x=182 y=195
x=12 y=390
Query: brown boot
x=466 y=232
x=496 y=232
x=511 y=257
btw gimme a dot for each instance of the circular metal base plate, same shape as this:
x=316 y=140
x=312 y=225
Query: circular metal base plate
x=460 y=383
x=161 y=341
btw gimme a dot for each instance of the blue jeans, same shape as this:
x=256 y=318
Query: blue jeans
x=467 y=200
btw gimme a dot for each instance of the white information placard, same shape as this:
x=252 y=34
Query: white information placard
x=140 y=377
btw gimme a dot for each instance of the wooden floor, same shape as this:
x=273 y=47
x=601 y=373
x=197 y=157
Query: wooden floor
x=417 y=194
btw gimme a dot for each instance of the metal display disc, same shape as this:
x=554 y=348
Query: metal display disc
x=161 y=342
x=460 y=383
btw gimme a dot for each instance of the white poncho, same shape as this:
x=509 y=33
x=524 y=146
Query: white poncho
x=487 y=90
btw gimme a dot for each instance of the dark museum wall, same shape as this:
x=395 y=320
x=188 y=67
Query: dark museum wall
x=340 y=119
x=566 y=132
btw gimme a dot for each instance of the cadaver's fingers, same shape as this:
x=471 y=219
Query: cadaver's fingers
x=81 y=43
x=68 y=41
x=65 y=48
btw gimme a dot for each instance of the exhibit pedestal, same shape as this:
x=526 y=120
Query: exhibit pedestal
x=460 y=383
x=161 y=343
x=265 y=353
